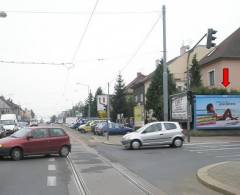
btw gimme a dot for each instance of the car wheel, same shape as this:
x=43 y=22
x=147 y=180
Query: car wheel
x=64 y=151
x=177 y=143
x=16 y=154
x=135 y=144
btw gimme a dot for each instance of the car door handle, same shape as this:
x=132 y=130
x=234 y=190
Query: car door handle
x=161 y=133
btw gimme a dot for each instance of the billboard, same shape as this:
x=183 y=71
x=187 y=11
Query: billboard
x=138 y=116
x=102 y=102
x=217 y=112
x=179 y=108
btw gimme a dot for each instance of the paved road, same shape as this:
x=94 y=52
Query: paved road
x=172 y=170
x=36 y=175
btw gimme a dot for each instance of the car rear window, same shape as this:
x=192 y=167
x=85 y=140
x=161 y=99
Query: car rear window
x=56 y=132
x=170 y=126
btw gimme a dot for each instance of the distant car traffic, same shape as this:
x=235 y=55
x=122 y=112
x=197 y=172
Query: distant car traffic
x=112 y=129
x=35 y=141
x=156 y=133
x=33 y=123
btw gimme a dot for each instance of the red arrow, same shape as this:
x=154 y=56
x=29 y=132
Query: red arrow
x=225 y=81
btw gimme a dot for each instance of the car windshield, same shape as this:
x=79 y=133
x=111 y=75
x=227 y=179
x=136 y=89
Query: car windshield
x=7 y=122
x=21 y=133
x=142 y=128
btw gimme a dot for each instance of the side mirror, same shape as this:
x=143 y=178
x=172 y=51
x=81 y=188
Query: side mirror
x=29 y=137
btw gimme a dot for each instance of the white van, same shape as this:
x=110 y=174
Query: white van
x=9 y=122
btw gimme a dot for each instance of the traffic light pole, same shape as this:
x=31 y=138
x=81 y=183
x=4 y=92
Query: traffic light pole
x=189 y=88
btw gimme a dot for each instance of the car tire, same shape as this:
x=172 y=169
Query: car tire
x=177 y=143
x=135 y=144
x=16 y=154
x=64 y=151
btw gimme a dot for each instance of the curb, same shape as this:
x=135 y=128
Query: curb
x=105 y=142
x=205 y=179
x=113 y=144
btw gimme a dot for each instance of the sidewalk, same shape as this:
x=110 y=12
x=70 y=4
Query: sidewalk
x=223 y=177
x=116 y=139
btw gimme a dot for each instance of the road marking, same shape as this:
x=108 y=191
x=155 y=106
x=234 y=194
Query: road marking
x=216 y=146
x=51 y=159
x=210 y=143
x=51 y=167
x=214 y=149
x=51 y=181
x=225 y=156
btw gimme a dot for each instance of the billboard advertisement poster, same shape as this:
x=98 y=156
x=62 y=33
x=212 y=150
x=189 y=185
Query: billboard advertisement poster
x=217 y=112
x=138 y=116
x=101 y=102
x=179 y=108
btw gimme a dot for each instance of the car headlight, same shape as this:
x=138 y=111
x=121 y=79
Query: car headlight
x=1 y=146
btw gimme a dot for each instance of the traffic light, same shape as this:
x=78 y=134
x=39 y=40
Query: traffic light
x=211 y=38
x=105 y=107
x=189 y=95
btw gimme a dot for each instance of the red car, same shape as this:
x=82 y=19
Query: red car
x=35 y=140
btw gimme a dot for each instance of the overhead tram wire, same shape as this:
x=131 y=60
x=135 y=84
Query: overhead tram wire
x=37 y=63
x=78 y=46
x=81 y=12
x=84 y=32
x=140 y=45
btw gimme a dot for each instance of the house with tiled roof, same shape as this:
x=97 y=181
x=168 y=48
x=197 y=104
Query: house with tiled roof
x=225 y=55
x=178 y=65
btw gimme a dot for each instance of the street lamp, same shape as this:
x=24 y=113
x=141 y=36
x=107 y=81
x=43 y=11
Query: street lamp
x=3 y=14
x=89 y=103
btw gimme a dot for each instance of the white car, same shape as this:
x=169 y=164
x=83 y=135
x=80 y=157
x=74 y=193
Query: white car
x=156 y=133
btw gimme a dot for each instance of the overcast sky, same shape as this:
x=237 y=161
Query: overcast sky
x=50 y=30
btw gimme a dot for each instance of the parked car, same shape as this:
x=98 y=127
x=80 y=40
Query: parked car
x=156 y=133
x=35 y=140
x=77 y=124
x=84 y=128
x=94 y=124
x=113 y=129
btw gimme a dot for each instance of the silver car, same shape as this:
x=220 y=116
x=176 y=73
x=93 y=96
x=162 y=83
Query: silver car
x=156 y=133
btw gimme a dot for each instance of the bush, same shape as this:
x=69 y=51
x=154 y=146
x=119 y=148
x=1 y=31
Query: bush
x=214 y=91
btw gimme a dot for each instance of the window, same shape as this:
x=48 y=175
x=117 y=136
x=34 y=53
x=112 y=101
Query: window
x=39 y=133
x=211 y=78
x=170 y=126
x=136 y=98
x=153 y=128
x=56 y=132
x=141 y=97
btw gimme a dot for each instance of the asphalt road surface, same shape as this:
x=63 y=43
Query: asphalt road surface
x=108 y=169
x=173 y=170
x=36 y=176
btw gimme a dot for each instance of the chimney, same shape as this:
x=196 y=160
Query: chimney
x=183 y=49
x=139 y=74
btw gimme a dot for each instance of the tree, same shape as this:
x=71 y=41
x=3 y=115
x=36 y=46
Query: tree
x=53 y=119
x=99 y=91
x=155 y=92
x=88 y=101
x=195 y=75
x=118 y=102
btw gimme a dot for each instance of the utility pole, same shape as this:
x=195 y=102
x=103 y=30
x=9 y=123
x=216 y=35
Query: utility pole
x=165 y=74
x=108 y=111
x=89 y=103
